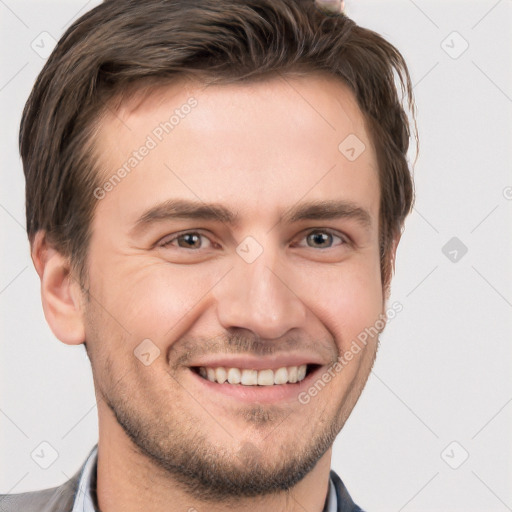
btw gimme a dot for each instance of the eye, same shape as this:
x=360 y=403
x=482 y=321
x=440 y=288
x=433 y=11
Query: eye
x=189 y=240
x=322 y=239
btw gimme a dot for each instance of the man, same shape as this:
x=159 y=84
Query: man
x=215 y=192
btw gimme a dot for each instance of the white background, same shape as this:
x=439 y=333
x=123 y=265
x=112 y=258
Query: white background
x=443 y=371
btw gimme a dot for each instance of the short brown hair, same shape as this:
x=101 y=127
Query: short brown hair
x=122 y=44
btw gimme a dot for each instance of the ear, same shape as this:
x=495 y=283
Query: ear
x=60 y=292
x=390 y=267
x=396 y=241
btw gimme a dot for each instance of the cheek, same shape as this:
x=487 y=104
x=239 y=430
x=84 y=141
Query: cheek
x=157 y=300
x=347 y=300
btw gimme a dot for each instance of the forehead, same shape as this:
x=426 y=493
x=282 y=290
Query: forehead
x=263 y=144
x=313 y=87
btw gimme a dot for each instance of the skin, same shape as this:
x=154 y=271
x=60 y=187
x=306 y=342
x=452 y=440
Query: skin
x=257 y=149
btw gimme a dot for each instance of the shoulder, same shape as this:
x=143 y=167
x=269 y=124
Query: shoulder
x=56 y=499
x=345 y=502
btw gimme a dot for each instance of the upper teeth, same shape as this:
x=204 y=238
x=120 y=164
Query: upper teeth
x=282 y=375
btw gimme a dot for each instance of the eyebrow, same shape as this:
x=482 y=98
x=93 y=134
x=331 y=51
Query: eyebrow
x=184 y=209
x=325 y=210
x=188 y=209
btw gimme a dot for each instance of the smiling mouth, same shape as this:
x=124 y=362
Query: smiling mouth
x=255 y=378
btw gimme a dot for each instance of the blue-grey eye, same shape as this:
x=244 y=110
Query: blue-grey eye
x=320 y=239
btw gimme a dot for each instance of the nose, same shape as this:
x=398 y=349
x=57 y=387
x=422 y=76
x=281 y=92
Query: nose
x=260 y=297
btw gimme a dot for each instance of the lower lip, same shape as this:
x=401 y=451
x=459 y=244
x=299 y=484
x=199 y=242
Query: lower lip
x=259 y=394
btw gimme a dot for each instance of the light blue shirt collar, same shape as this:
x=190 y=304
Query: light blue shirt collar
x=84 y=500
x=332 y=500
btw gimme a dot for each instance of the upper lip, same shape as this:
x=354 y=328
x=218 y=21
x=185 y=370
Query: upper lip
x=258 y=363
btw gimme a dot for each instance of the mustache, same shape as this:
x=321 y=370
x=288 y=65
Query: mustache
x=246 y=343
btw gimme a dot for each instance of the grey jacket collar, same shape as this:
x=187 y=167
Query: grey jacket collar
x=56 y=499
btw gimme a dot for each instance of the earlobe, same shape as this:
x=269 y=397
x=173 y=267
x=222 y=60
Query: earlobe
x=60 y=292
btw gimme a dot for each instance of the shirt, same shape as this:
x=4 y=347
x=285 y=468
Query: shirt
x=86 y=500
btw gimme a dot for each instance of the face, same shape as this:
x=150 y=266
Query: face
x=241 y=237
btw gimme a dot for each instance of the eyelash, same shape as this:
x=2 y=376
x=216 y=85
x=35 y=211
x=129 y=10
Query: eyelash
x=167 y=243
